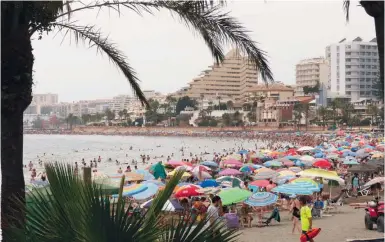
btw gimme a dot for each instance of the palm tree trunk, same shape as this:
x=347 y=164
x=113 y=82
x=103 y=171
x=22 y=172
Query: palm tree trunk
x=16 y=94
x=376 y=10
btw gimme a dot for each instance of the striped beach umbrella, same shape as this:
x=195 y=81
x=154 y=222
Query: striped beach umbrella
x=261 y=199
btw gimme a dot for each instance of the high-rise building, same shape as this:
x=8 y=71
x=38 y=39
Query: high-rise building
x=310 y=71
x=45 y=99
x=228 y=79
x=353 y=68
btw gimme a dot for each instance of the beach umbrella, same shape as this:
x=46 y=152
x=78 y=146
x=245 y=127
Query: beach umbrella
x=260 y=183
x=306 y=158
x=243 y=152
x=350 y=161
x=200 y=168
x=293 y=189
x=184 y=168
x=151 y=190
x=306 y=148
x=209 y=163
x=185 y=174
x=253 y=188
x=304 y=180
x=282 y=179
x=288 y=163
x=232 y=162
x=146 y=174
x=246 y=169
x=209 y=183
x=348 y=153
x=375 y=180
x=202 y=175
x=229 y=172
x=322 y=164
x=156 y=182
x=187 y=191
x=233 y=195
x=295 y=169
x=319 y=155
x=286 y=173
x=330 y=175
x=209 y=190
x=128 y=191
x=172 y=205
x=230 y=181
x=292 y=157
x=272 y=163
x=264 y=173
x=261 y=199
x=174 y=163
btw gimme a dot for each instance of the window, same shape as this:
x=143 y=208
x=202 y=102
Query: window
x=348 y=93
x=362 y=92
x=374 y=73
x=368 y=80
x=347 y=73
x=348 y=79
x=368 y=93
x=348 y=86
x=374 y=67
x=362 y=53
x=348 y=46
x=368 y=73
x=348 y=60
x=362 y=66
x=362 y=60
x=367 y=66
x=369 y=53
x=368 y=60
x=362 y=86
x=362 y=73
x=348 y=66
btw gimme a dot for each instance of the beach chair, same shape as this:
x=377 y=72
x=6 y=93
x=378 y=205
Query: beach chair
x=364 y=191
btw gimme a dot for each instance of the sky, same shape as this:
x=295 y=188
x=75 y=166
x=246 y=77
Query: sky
x=167 y=55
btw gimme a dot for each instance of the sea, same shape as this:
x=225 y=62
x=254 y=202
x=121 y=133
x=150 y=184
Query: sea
x=73 y=148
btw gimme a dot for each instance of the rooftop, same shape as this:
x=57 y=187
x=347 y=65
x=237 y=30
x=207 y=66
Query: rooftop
x=270 y=87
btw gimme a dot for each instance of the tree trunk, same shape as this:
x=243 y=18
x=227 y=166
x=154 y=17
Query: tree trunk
x=375 y=9
x=16 y=95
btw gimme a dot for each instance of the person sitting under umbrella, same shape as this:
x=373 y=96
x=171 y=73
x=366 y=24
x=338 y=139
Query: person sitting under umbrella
x=274 y=215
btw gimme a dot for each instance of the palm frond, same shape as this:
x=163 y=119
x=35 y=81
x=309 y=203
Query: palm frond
x=346 y=7
x=73 y=210
x=103 y=45
x=217 y=29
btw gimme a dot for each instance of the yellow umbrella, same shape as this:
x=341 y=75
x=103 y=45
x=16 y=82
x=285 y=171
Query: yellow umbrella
x=303 y=179
x=330 y=175
x=286 y=173
x=262 y=170
x=185 y=174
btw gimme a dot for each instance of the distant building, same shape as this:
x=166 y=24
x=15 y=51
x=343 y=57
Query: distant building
x=276 y=91
x=354 y=68
x=309 y=72
x=232 y=78
x=45 y=99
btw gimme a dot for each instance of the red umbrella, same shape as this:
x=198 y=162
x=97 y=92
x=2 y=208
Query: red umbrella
x=322 y=164
x=260 y=183
x=188 y=191
x=291 y=152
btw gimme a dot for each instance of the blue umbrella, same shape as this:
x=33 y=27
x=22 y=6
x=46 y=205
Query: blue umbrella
x=293 y=189
x=298 y=163
x=243 y=152
x=253 y=188
x=273 y=163
x=151 y=190
x=209 y=163
x=209 y=183
x=147 y=175
x=261 y=199
x=354 y=149
x=319 y=155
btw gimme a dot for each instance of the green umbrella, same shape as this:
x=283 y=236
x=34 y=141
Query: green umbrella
x=233 y=195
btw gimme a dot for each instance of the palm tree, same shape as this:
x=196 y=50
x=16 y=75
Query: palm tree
x=323 y=113
x=375 y=9
x=202 y=96
x=86 y=212
x=70 y=120
x=373 y=111
x=229 y=105
x=219 y=102
x=120 y=113
x=22 y=21
x=335 y=106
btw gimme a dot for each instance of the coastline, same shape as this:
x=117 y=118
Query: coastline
x=173 y=131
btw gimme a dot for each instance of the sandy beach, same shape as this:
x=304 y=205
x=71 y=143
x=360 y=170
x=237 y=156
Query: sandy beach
x=347 y=224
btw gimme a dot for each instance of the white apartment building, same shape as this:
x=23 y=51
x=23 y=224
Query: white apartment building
x=353 y=68
x=309 y=72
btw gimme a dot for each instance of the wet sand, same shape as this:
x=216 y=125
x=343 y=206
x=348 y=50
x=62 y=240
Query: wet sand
x=347 y=224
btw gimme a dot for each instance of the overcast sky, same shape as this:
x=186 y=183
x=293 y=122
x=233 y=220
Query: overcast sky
x=167 y=55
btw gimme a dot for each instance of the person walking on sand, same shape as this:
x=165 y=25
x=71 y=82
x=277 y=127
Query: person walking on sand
x=306 y=218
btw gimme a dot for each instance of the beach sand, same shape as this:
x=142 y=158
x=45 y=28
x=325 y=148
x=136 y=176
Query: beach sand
x=348 y=224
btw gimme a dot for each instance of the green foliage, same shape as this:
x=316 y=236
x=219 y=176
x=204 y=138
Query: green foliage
x=78 y=211
x=38 y=123
x=222 y=106
x=183 y=103
x=110 y=115
x=208 y=122
x=311 y=89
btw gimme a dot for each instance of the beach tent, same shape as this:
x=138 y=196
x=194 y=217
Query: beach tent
x=158 y=171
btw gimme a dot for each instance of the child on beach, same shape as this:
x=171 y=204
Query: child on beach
x=306 y=218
